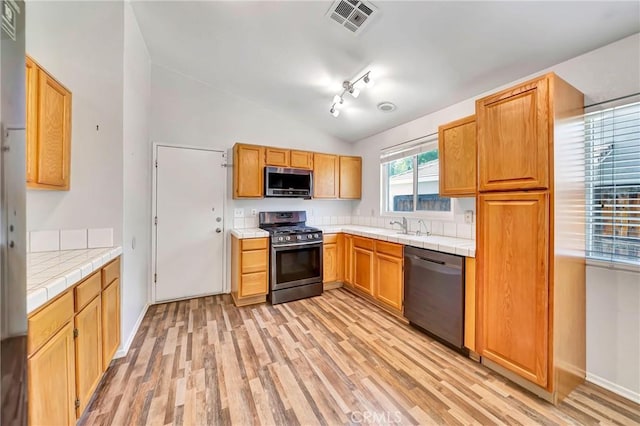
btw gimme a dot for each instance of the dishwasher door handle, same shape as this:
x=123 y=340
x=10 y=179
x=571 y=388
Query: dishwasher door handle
x=439 y=262
x=432 y=263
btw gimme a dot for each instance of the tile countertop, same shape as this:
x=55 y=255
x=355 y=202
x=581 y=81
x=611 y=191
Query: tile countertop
x=452 y=245
x=52 y=272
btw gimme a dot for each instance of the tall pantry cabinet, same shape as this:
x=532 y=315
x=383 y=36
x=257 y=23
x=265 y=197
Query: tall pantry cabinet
x=530 y=258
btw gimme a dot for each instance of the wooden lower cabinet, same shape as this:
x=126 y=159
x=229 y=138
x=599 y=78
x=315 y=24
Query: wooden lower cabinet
x=329 y=262
x=513 y=282
x=110 y=322
x=389 y=280
x=68 y=352
x=51 y=381
x=88 y=351
x=249 y=270
x=348 y=260
x=363 y=269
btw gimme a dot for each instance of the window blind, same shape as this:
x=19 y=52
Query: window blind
x=612 y=177
x=409 y=148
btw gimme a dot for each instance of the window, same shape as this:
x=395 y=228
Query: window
x=410 y=175
x=612 y=138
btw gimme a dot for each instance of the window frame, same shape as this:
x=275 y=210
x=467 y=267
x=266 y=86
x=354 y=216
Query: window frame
x=421 y=214
x=592 y=215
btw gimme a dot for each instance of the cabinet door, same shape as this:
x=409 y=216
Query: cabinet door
x=110 y=322
x=277 y=157
x=301 y=160
x=363 y=270
x=51 y=381
x=389 y=280
x=54 y=133
x=348 y=260
x=513 y=282
x=88 y=351
x=351 y=177
x=513 y=138
x=325 y=176
x=248 y=171
x=330 y=263
x=457 y=152
x=32 y=120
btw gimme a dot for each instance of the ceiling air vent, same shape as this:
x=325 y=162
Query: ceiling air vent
x=354 y=15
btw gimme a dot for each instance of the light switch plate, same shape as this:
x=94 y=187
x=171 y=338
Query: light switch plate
x=238 y=212
x=468 y=217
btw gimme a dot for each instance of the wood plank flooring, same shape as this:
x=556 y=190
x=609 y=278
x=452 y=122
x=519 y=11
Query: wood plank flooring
x=333 y=359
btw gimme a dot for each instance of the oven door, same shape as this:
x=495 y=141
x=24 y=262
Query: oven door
x=295 y=264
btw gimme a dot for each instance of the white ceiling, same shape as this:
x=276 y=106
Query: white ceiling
x=424 y=56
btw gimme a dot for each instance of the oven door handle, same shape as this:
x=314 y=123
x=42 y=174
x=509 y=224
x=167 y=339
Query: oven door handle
x=314 y=244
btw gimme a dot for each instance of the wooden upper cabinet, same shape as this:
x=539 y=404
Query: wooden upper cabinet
x=277 y=157
x=513 y=282
x=52 y=382
x=48 y=130
x=248 y=171
x=514 y=138
x=351 y=177
x=301 y=160
x=32 y=120
x=325 y=176
x=457 y=152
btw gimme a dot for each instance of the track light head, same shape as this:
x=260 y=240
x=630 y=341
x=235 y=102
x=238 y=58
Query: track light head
x=334 y=111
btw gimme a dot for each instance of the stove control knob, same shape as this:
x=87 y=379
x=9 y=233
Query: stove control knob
x=316 y=236
x=280 y=238
x=299 y=237
x=288 y=238
x=309 y=236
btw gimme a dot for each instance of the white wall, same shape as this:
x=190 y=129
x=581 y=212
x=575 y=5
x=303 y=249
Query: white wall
x=80 y=43
x=613 y=348
x=137 y=178
x=187 y=112
x=613 y=330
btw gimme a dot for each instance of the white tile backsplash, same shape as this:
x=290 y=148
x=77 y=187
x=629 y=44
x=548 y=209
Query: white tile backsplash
x=463 y=231
x=449 y=229
x=73 y=239
x=44 y=241
x=100 y=237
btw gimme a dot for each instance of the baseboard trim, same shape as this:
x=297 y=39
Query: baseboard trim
x=617 y=389
x=124 y=349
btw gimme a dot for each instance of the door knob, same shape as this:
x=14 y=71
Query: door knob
x=218 y=219
x=218 y=230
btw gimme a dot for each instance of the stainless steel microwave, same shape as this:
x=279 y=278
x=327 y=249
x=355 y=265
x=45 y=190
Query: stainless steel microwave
x=288 y=183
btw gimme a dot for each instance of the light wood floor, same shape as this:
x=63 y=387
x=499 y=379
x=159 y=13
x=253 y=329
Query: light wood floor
x=333 y=359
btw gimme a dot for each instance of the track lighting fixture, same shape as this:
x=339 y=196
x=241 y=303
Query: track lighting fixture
x=350 y=87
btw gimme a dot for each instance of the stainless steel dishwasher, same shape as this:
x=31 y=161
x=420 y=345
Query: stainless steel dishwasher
x=434 y=294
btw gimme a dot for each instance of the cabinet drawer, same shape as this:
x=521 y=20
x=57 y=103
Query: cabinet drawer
x=363 y=243
x=46 y=322
x=254 y=261
x=86 y=291
x=330 y=238
x=254 y=243
x=110 y=272
x=390 y=249
x=253 y=284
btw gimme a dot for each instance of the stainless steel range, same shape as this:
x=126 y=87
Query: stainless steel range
x=295 y=256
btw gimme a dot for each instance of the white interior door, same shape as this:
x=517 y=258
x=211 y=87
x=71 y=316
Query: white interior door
x=190 y=223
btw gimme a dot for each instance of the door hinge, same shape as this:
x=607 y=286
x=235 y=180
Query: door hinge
x=156 y=164
x=155 y=278
x=75 y=333
x=77 y=403
x=155 y=220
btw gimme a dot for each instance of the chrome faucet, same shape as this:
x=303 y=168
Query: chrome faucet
x=403 y=224
x=421 y=222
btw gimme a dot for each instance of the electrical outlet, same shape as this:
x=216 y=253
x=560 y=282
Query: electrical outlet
x=254 y=212
x=468 y=217
x=238 y=212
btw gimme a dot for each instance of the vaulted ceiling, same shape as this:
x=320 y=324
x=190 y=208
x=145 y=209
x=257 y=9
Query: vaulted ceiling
x=424 y=56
